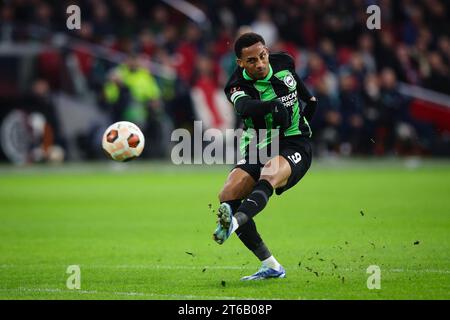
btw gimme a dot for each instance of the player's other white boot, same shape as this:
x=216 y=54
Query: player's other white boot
x=266 y=273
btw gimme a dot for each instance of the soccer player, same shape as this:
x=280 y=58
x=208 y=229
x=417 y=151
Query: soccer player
x=265 y=91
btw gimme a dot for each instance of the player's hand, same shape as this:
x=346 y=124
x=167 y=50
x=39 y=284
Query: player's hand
x=280 y=115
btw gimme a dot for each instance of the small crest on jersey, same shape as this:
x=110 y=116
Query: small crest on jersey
x=289 y=81
x=234 y=89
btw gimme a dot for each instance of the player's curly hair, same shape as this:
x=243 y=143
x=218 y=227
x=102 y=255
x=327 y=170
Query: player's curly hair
x=246 y=40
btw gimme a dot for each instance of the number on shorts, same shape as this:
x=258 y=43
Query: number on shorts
x=295 y=158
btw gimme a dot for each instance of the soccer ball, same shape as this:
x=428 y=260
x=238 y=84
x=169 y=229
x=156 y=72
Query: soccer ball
x=123 y=141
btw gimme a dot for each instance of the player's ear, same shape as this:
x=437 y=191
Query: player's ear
x=240 y=63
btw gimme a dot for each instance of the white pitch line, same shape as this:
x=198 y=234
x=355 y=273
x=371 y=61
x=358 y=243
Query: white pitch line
x=179 y=267
x=244 y=268
x=184 y=267
x=141 y=294
x=124 y=266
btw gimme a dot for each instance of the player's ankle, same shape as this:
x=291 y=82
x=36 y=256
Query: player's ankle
x=234 y=224
x=272 y=263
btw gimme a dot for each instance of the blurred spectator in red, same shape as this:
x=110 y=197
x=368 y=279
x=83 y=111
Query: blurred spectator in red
x=147 y=43
x=82 y=51
x=309 y=32
x=318 y=72
x=49 y=66
x=210 y=106
x=187 y=51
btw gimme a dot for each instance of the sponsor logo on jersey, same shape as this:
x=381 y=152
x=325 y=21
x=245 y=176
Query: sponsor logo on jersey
x=290 y=99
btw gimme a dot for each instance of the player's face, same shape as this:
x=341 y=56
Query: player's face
x=255 y=60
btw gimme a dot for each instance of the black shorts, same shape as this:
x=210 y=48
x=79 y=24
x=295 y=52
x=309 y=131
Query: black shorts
x=296 y=150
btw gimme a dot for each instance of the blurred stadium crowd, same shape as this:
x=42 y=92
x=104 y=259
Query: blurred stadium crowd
x=163 y=64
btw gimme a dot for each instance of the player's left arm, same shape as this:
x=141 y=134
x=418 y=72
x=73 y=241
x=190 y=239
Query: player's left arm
x=308 y=98
x=303 y=93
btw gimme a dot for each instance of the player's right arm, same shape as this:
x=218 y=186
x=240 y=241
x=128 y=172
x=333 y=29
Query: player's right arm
x=246 y=106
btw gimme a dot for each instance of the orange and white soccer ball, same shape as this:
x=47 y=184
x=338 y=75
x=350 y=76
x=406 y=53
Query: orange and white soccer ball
x=123 y=141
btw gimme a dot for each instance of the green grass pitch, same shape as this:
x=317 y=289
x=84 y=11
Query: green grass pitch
x=145 y=232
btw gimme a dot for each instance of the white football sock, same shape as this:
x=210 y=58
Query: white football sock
x=272 y=263
x=235 y=224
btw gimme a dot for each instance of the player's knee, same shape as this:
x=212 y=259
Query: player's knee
x=276 y=181
x=276 y=172
x=271 y=178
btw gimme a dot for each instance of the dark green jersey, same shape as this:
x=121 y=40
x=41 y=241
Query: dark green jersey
x=281 y=82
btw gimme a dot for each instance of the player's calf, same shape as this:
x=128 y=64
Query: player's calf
x=255 y=202
x=275 y=174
